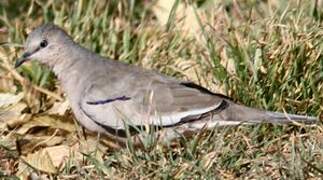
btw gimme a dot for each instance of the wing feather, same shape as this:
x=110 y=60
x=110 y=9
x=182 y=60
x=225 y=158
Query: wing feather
x=157 y=103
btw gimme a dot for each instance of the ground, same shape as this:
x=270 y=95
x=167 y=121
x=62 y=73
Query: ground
x=265 y=54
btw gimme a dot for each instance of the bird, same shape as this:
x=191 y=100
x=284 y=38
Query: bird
x=126 y=101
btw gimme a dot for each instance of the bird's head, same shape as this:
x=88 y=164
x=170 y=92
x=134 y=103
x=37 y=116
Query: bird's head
x=44 y=44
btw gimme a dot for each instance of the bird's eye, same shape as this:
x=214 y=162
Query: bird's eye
x=43 y=43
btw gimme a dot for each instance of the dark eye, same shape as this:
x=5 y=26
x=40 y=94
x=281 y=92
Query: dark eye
x=43 y=43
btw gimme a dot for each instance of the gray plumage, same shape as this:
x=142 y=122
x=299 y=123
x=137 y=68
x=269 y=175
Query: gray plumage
x=107 y=96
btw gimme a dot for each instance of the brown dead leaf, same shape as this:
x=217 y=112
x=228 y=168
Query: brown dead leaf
x=52 y=159
x=58 y=154
x=12 y=114
x=88 y=146
x=7 y=99
x=40 y=160
x=59 y=108
x=47 y=121
x=11 y=108
x=24 y=118
x=30 y=142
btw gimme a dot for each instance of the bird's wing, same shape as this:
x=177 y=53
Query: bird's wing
x=150 y=101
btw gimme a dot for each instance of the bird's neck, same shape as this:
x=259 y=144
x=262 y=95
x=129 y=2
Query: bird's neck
x=70 y=68
x=65 y=63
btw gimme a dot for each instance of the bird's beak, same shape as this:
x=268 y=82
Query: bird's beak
x=22 y=59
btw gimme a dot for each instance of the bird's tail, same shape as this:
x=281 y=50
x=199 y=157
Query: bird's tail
x=277 y=117
x=235 y=114
x=246 y=114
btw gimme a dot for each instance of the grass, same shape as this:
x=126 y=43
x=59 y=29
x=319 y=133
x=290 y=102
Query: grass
x=262 y=54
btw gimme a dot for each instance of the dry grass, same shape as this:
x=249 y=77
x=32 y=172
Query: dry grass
x=263 y=54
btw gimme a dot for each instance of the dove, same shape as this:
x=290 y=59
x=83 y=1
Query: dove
x=121 y=100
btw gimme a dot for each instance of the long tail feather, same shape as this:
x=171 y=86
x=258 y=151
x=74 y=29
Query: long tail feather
x=286 y=118
x=238 y=113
